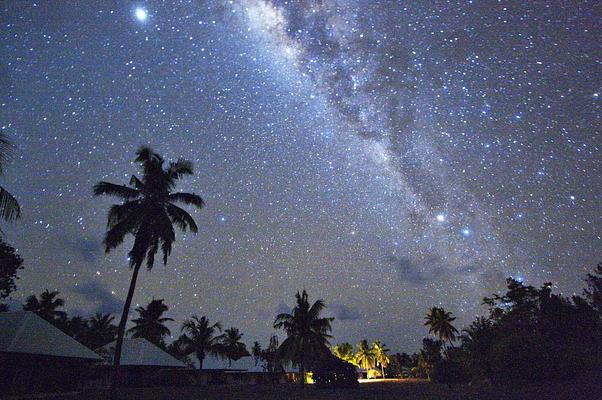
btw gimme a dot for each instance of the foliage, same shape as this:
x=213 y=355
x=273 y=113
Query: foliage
x=440 y=324
x=344 y=351
x=100 y=331
x=10 y=264
x=9 y=206
x=380 y=355
x=233 y=348
x=593 y=292
x=178 y=350
x=256 y=352
x=200 y=338
x=307 y=333
x=332 y=371
x=448 y=371
x=150 y=324
x=148 y=212
x=365 y=357
x=47 y=306
x=270 y=358
x=532 y=334
x=399 y=366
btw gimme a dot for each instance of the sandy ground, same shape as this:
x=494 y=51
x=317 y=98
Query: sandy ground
x=406 y=389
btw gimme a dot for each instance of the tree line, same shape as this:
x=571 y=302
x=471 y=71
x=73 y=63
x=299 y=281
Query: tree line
x=528 y=333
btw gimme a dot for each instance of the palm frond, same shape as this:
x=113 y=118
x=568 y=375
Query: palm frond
x=5 y=150
x=111 y=189
x=188 y=199
x=9 y=206
x=181 y=218
x=180 y=168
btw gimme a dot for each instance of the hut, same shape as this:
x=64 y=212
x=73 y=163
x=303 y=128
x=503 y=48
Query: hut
x=36 y=356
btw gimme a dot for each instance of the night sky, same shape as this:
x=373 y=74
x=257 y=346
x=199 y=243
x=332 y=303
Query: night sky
x=386 y=156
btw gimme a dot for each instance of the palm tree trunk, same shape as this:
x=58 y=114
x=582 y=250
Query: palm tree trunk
x=124 y=317
x=302 y=368
x=382 y=370
x=201 y=358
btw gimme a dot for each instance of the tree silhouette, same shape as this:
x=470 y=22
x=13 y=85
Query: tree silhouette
x=149 y=214
x=365 y=357
x=150 y=324
x=233 y=348
x=593 y=292
x=307 y=333
x=380 y=355
x=10 y=264
x=46 y=306
x=345 y=352
x=201 y=338
x=9 y=206
x=440 y=324
x=256 y=351
x=101 y=331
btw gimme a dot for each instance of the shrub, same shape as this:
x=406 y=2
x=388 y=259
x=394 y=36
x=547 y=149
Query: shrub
x=446 y=371
x=334 y=372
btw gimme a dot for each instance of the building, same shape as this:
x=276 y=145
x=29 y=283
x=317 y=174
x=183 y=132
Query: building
x=36 y=356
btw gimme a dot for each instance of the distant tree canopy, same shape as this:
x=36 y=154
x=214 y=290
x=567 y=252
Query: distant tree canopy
x=10 y=264
x=150 y=323
x=47 y=306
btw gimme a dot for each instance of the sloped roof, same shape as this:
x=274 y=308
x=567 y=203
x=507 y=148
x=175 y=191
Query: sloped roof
x=140 y=351
x=26 y=332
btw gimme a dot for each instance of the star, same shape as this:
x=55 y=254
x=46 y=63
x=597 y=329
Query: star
x=141 y=14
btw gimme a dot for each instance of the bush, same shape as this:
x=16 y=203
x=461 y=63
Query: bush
x=334 y=372
x=446 y=371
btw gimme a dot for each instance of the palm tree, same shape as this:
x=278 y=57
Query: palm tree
x=151 y=323
x=201 y=338
x=257 y=352
x=101 y=331
x=307 y=333
x=364 y=357
x=440 y=324
x=46 y=306
x=9 y=206
x=233 y=348
x=345 y=352
x=380 y=355
x=149 y=214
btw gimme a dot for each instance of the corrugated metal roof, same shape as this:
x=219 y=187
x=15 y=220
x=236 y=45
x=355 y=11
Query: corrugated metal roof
x=26 y=332
x=140 y=351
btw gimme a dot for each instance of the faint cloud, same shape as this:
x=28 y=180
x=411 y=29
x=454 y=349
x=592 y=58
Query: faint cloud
x=95 y=292
x=343 y=312
x=89 y=249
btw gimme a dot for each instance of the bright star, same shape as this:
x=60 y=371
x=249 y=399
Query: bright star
x=141 y=14
x=440 y=218
x=465 y=231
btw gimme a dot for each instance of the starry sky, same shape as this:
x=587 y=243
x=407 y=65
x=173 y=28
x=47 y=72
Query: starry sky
x=386 y=156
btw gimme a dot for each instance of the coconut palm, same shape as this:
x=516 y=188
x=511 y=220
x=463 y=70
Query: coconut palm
x=233 y=348
x=345 y=352
x=380 y=355
x=9 y=206
x=101 y=331
x=201 y=338
x=46 y=306
x=365 y=357
x=151 y=323
x=257 y=352
x=307 y=333
x=148 y=213
x=440 y=324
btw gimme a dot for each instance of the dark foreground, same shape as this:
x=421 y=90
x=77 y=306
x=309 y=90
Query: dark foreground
x=391 y=389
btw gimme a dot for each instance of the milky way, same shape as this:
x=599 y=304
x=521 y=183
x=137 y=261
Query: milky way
x=385 y=156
